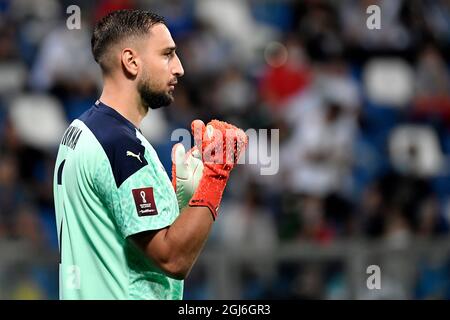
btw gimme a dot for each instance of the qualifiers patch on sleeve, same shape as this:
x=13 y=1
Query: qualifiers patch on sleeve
x=145 y=202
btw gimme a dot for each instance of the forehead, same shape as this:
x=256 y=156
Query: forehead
x=160 y=37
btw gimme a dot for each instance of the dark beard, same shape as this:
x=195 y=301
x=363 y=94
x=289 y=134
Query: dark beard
x=152 y=99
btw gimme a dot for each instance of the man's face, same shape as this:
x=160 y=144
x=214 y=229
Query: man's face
x=160 y=70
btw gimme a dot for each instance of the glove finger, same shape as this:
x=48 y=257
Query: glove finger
x=241 y=143
x=211 y=143
x=177 y=150
x=209 y=131
x=196 y=153
x=187 y=161
x=214 y=150
x=178 y=154
x=192 y=164
x=222 y=125
x=198 y=130
x=236 y=142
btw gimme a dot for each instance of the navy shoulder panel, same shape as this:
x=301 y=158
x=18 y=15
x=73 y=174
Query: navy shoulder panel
x=118 y=138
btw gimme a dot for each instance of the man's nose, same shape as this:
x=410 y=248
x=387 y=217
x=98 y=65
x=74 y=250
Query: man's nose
x=178 y=68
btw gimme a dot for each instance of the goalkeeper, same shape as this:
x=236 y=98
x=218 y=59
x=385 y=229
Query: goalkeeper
x=125 y=230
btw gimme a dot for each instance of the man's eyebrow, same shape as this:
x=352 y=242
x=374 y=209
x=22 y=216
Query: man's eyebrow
x=170 y=48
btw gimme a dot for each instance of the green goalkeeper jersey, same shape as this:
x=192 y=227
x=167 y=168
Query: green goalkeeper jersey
x=108 y=185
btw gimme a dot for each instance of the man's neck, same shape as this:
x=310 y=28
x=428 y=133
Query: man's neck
x=125 y=101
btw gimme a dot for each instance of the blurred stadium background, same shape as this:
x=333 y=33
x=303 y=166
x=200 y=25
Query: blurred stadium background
x=364 y=120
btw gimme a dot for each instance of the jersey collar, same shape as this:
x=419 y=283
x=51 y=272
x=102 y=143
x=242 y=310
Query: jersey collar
x=100 y=106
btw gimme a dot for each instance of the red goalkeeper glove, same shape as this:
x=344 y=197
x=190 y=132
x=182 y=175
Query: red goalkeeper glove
x=221 y=145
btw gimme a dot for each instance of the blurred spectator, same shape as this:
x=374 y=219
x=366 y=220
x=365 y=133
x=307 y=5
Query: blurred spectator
x=8 y=46
x=287 y=75
x=320 y=31
x=318 y=156
x=65 y=60
x=11 y=195
x=313 y=221
x=206 y=52
x=397 y=228
x=432 y=85
x=437 y=16
x=28 y=227
x=234 y=95
x=233 y=21
x=334 y=82
x=429 y=222
x=432 y=77
x=371 y=216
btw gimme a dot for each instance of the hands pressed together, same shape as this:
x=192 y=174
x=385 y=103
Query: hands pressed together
x=200 y=175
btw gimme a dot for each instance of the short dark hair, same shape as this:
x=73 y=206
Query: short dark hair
x=117 y=26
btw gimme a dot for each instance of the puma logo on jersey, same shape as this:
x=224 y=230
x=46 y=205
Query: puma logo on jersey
x=137 y=156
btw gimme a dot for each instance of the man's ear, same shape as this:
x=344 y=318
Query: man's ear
x=130 y=61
